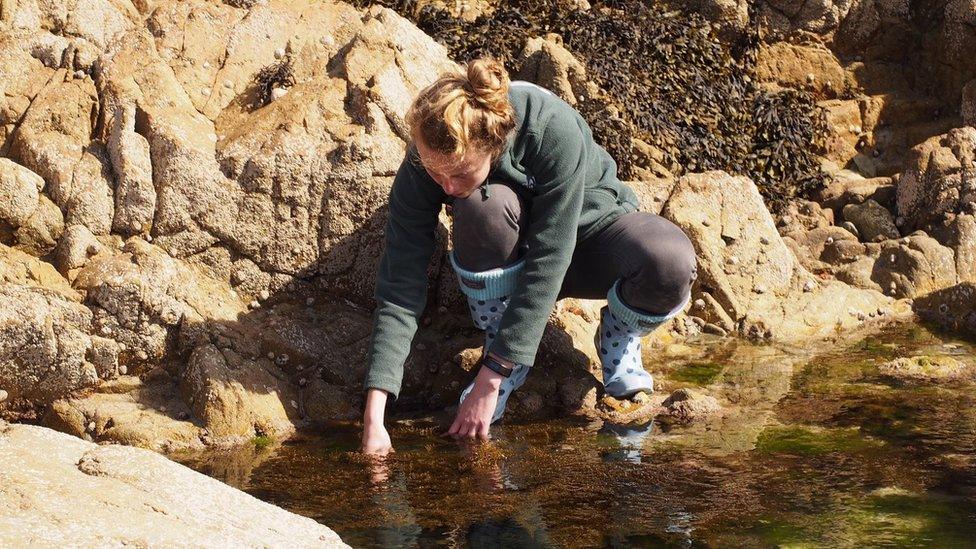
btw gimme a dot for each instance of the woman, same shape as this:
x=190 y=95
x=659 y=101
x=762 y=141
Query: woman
x=539 y=214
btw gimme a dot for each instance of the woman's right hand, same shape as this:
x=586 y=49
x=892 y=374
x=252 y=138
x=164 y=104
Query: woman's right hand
x=376 y=440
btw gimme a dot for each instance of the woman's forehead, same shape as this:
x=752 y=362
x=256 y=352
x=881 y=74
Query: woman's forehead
x=444 y=162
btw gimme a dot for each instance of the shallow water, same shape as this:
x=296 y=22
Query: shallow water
x=839 y=457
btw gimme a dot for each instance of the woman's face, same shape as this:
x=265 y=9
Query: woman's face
x=458 y=179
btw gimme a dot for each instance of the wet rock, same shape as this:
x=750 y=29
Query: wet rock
x=938 y=178
x=872 y=220
x=19 y=188
x=925 y=369
x=690 y=405
x=77 y=482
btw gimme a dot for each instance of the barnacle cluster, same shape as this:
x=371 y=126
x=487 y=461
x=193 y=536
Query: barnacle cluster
x=675 y=85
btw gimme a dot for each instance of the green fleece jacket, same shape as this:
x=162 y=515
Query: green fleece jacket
x=569 y=182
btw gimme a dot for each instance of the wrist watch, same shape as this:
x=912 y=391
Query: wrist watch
x=494 y=365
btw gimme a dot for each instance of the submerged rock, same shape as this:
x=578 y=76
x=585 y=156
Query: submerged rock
x=925 y=369
x=689 y=405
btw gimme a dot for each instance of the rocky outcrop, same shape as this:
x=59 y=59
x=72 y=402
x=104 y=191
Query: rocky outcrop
x=925 y=369
x=952 y=309
x=51 y=483
x=939 y=179
x=747 y=270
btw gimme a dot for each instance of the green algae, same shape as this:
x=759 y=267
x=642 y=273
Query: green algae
x=697 y=373
x=262 y=441
x=811 y=441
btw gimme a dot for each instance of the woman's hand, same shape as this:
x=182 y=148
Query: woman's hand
x=376 y=440
x=474 y=415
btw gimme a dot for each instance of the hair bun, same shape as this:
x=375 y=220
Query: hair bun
x=488 y=81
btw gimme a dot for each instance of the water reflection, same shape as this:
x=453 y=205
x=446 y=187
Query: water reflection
x=842 y=458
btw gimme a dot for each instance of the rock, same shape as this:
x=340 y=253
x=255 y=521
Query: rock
x=810 y=67
x=544 y=61
x=960 y=235
x=925 y=369
x=689 y=405
x=915 y=268
x=40 y=232
x=237 y=404
x=872 y=221
x=60 y=482
x=731 y=16
x=135 y=194
x=851 y=188
x=45 y=342
x=3 y=395
x=91 y=201
x=76 y=246
x=952 y=309
x=19 y=188
x=968 y=107
x=938 y=178
x=738 y=223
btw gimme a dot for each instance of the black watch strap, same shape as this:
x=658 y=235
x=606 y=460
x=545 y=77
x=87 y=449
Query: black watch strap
x=494 y=365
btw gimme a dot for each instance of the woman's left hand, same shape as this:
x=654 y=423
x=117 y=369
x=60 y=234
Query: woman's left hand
x=474 y=415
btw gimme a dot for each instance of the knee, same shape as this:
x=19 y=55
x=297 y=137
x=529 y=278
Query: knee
x=668 y=267
x=486 y=229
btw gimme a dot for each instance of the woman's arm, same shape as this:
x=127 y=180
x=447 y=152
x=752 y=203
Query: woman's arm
x=376 y=440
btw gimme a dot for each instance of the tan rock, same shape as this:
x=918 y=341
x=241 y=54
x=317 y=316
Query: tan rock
x=846 y=126
x=59 y=482
x=19 y=188
x=690 y=405
x=762 y=289
x=135 y=194
x=812 y=67
x=916 y=267
x=951 y=308
x=925 y=369
x=544 y=61
x=236 y=404
x=22 y=269
x=44 y=344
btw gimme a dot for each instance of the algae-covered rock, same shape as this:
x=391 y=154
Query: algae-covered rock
x=925 y=369
x=690 y=405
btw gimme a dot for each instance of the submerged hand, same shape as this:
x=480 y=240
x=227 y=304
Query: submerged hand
x=376 y=440
x=474 y=415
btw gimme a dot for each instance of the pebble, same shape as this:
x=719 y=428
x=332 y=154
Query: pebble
x=79 y=74
x=327 y=40
x=733 y=260
x=763 y=240
x=271 y=355
x=279 y=53
x=205 y=91
x=254 y=304
x=892 y=258
x=3 y=395
x=206 y=64
x=92 y=249
x=906 y=240
x=106 y=330
x=759 y=289
x=182 y=415
x=808 y=286
x=830 y=240
x=943 y=308
x=699 y=303
x=899 y=221
x=263 y=295
x=149 y=238
x=294 y=404
x=705 y=223
x=142 y=355
x=302 y=382
x=851 y=228
x=91 y=425
x=282 y=359
x=123 y=370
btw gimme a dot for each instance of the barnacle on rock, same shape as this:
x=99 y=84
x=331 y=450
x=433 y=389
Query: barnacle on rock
x=677 y=87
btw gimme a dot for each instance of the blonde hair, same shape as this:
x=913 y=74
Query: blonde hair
x=464 y=110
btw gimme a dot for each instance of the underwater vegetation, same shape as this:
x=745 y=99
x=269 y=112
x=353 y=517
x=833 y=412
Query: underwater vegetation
x=674 y=83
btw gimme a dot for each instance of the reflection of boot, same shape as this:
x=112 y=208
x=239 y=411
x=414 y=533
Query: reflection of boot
x=487 y=293
x=618 y=343
x=631 y=439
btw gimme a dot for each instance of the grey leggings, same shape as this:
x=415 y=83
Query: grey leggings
x=653 y=256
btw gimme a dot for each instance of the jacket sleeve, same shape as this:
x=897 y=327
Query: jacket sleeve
x=559 y=166
x=401 y=283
